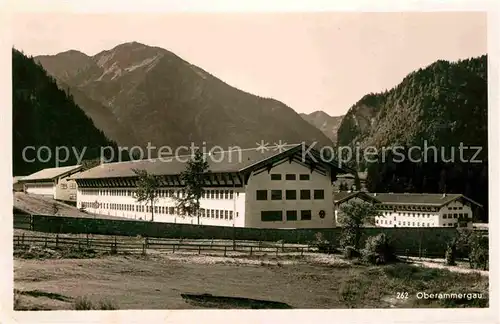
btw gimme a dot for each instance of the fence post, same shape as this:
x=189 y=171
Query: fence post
x=407 y=254
x=301 y=251
x=146 y=241
x=22 y=242
x=250 y=250
x=143 y=248
x=283 y=246
x=173 y=247
x=199 y=249
x=277 y=249
x=31 y=222
x=57 y=240
x=260 y=246
x=46 y=242
x=88 y=242
x=225 y=249
x=79 y=247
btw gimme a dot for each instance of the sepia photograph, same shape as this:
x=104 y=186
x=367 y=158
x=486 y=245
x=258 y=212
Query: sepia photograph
x=250 y=160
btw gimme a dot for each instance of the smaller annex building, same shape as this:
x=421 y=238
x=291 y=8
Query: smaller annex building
x=415 y=209
x=53 y=182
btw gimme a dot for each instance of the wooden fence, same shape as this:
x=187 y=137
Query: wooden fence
x=114 y=245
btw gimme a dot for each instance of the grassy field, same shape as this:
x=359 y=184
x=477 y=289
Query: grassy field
x=166 y=281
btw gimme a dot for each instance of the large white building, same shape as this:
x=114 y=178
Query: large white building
x=53 y=182
x=415 y=209
x=245 y=188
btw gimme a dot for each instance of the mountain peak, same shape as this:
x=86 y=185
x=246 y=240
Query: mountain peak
x=164 y=100
x=324 y=122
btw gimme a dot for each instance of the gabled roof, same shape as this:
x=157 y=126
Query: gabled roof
x=51 y=173
x=342 y=196
x=240 y=160
x=425 y=199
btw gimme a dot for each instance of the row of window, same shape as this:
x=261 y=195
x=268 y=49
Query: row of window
x=396 y=208
x=72 y=185
x=277 y=215
x=218 y=194
x=290 y=194
x=459 y=215
x=208 y=213
x=217 y=214
x=407 y=214
x=289 y=177
x=163 y=193
x=404 y=223
x=455 y=208
x=39 y=185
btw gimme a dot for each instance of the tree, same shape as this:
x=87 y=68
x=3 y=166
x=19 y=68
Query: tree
x=352 y=217
x=91 y=163
x=147 y=188
x=193 y=177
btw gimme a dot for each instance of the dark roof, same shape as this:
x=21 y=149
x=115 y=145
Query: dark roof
x=219 y=162
x=50 y=173
x=418 y=198
x=339 y=197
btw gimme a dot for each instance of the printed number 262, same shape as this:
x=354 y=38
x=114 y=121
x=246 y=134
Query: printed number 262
x=402 y=295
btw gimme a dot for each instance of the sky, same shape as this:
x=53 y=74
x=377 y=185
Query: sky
x=310 y=61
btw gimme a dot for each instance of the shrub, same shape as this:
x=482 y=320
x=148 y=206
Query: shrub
x=17 y=300
x=107 y=305
x=323 y=246
x=347 y=238
x=451 y=254
x=378 y=250
x=479 y=254
x=350 y=252
x=83 y=303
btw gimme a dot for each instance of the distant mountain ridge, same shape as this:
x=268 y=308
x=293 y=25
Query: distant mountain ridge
x=329 y=125
x=444 y=103
x=138 y=94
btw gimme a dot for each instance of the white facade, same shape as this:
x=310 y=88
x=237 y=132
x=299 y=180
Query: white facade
x=221 y=206
x=40 y=188
x=305 y=203
x=445 y=216
x=65 y=188
x=407 y=218
x=450 y=214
